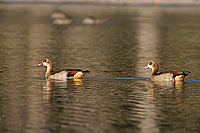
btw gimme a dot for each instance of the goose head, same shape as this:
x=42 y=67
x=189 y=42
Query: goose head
x=153 y=66
x=48 y=64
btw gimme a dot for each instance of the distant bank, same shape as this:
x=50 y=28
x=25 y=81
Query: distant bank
x=114 y=2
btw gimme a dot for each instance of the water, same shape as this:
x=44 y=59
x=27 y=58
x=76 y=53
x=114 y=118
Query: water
x=118 y=50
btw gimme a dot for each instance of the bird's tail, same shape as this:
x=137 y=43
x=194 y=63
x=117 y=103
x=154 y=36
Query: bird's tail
x=186 y=73
x=86 y=71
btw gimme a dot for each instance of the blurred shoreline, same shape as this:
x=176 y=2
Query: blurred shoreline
x=110 y=2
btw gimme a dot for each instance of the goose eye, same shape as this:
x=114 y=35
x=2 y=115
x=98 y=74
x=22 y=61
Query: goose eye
x=44 y=60
x=150 y=63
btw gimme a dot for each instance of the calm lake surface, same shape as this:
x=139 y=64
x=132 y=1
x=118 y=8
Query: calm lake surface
x=121 y=47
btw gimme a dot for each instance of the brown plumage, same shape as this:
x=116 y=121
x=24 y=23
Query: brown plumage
x=165 y=75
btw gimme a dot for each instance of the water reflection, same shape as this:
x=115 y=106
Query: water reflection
x=147 y=37
x=147 y=50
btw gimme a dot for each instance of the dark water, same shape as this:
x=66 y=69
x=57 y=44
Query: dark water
x=119 y=48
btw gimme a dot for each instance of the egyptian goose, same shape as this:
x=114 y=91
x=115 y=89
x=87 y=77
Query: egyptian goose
x=166 y=75
x=60 y=18
x=58 y=15
x=63 y=74
x=92 y=20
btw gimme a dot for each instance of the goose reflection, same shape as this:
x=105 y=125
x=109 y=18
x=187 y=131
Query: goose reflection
x=47 y=90
x=78 y=82
x=64 y=84
x=72 y=83
x=179 y=85
x=165 y=85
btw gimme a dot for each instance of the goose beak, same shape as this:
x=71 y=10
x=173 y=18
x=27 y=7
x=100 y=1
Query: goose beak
x=41 y=64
